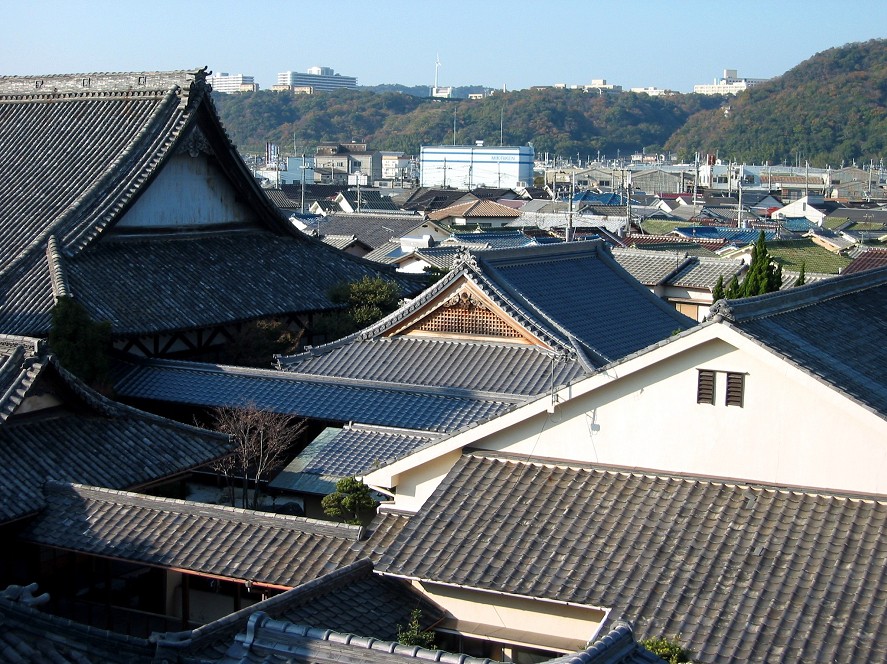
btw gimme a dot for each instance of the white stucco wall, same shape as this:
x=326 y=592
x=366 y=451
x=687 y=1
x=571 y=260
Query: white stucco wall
x=518 y=620
x=791 y=430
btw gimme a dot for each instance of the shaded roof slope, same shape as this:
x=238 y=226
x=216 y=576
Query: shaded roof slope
x=31 y=636
x=128 y=281
x=842 y=340
x=87 y=446
x=351 y=600
x=742 y=572
x=269 y=549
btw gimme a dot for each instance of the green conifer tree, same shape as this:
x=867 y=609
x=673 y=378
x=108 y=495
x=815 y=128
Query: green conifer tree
x=763 y=276
x=719 y=293
x=802 y=277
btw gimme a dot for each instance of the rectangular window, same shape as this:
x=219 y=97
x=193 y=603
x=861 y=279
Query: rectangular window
x=705 y=387
x=735 y=389
x=691 y=310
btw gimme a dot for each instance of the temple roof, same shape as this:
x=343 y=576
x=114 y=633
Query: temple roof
x=79 y=153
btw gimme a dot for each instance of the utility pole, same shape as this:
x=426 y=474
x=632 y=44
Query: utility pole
x=303 y=183
x=569 y=233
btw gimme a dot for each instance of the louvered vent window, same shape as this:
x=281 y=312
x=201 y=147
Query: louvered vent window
x=705 y=388
x=735 y=389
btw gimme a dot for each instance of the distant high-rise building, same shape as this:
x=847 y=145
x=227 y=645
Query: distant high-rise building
x=470 y=166
x=229 y=83
x=729 y=84
x=316 y=78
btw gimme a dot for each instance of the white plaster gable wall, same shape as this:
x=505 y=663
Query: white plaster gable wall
x=792 y=428
x=188 y=191
x=801 y=208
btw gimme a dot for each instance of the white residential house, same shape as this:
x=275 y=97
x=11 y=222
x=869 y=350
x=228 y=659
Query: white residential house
x=728 y=401
x=809 y=207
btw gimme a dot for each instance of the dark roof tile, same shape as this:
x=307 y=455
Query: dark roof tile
x=267 y=549
x=742 y=572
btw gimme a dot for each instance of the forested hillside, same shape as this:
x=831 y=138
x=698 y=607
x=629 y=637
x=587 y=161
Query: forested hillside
x=559 y=121
x=830 y=109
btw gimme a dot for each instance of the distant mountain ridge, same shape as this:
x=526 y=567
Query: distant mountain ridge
x=828 y=110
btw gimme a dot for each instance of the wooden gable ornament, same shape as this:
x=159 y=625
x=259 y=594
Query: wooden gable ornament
x=465 y=312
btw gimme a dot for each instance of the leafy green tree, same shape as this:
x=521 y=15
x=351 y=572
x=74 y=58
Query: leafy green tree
x=350 y=502
x=80 y=344
x=367 y=300
x=668 y=649
x=733 y=288
x=413 y=634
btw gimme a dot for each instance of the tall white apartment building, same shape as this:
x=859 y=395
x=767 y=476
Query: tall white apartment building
x=316 y=78
x=229 y=83
x=729 y=84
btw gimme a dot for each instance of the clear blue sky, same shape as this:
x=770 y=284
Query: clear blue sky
x=663 y=43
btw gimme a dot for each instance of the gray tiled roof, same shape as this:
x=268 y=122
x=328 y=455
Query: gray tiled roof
x=649 y=267
x=320 y=398
x=370 y=200
x=87 y=446
x=371 y=229
x=340 y=241
x=492 y=240
x=841 y=339
x=702 y=272
x=20 y=364
x=742 y=572
x=508 y=369
x=30 y=635
x=76 y=153
x=441 y=257
x=347 y=452
x=579 y=289
x=350 y=600
x=89 y=449
x=127 y=282
x=618 y=646
x=388 y=252
x=270 y=549
x=269 y=640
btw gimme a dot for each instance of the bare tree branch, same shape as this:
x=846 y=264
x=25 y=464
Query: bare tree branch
x=261 y=439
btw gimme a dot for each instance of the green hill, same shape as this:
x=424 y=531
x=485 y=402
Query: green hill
x=828 y=110
x=565 y=122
